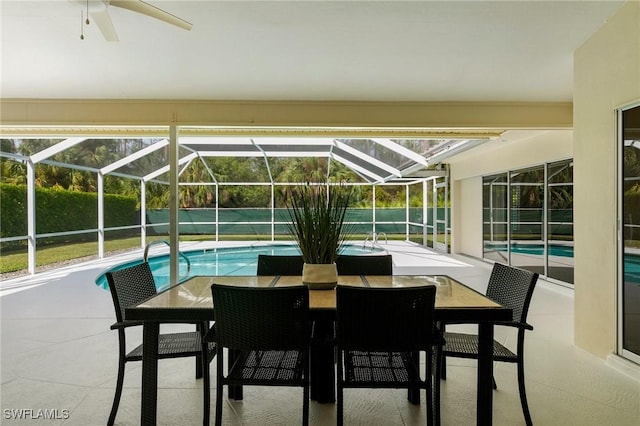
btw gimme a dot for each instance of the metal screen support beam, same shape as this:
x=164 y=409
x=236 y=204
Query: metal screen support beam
x=143 y=214
x=273 y=214
x=447 y=207
x=31 y=215
x=100 y=215
x=425 y=211
x=217 y=211
x=434 y=212
x=373 y=211
x=406 y=212
x=174 y=204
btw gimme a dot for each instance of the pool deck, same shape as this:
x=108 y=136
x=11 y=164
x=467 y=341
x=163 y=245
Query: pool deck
x=57 y=353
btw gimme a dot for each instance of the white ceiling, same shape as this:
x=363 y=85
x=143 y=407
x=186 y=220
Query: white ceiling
x=301 y=50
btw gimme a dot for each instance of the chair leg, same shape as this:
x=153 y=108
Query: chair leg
x=495 y=386
x=199 y=362
x=339 y=407
x=443 y=359
x=339 y=392
x=523 y=393
x=219 y=389
x=206 y=384
x=520 y=362
x=119 y=380
x=436 y=384
x=443 y=368
x=305 y=405
x=429 y=377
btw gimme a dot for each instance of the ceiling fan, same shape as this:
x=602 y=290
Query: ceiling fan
x=99 y=12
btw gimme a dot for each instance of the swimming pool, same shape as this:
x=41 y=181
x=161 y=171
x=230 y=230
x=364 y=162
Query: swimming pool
x=221 y=261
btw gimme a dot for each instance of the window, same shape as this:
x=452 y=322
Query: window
x=494 y=212
x=528 y=219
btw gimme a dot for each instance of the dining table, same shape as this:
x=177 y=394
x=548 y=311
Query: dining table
x=192 y=300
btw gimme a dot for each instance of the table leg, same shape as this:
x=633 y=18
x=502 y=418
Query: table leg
x=322 y=369
x=149 y=373
x=413 y=394
x=485 y=374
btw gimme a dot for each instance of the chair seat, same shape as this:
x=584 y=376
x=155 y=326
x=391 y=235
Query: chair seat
x=175 y=345
x=463 y=345
x=384 y=369
x=268 y=367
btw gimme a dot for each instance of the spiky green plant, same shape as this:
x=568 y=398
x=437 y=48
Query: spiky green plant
x=318 y=225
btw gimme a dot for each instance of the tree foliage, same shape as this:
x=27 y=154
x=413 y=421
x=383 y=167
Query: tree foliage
x=201 y=174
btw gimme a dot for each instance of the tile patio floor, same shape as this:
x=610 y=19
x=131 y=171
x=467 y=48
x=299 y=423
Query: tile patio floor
x=58 y=353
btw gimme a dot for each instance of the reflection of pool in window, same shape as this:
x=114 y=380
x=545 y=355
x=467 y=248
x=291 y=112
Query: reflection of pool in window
x=533 y=249
x=632 y=268
x=631 y=261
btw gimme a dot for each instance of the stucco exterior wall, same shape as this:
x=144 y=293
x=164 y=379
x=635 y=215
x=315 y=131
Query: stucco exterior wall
x=606 y=77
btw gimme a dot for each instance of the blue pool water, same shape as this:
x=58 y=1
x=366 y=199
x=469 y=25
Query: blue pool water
x=220 y=261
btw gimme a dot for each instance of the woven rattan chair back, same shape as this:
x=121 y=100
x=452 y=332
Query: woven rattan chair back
x=380 y=333
x=130 y=286
x=364 y=265
x=385 y=319
x=279 y=265
x=266 y=333
x=271 y=318
x=512 y=287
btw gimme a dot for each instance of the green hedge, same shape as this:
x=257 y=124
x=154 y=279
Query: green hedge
x=13 y=210
x=59 y=210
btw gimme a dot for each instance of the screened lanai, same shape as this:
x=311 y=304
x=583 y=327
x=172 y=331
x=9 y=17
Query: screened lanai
x=227 y=186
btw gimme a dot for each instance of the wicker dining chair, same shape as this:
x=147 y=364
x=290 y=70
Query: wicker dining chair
x=267 y=329
x=379 y=334
x=364 y=265
x=511 y=287
x=131 y=286
x=279 y=264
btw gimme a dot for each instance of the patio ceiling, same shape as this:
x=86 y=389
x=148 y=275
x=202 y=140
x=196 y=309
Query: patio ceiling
x=508 y=51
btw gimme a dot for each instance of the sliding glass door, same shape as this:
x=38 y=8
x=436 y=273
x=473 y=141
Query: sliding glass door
x=629 y=303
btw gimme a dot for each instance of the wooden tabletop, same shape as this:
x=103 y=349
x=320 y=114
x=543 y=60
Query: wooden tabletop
x=192 y=299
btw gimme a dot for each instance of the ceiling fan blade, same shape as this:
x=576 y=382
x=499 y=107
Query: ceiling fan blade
x=147 y=9
x=103 y=20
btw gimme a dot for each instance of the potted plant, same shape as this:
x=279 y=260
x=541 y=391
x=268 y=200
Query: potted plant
x=317 y=214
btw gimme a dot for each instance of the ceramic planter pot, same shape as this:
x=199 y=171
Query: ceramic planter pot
x=318 y=276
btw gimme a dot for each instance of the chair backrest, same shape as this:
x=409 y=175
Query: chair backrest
x=364 y=265
x=512 y=287
x=385 y=319
x=279 y=265
x=261 y=318
x=130 y=286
